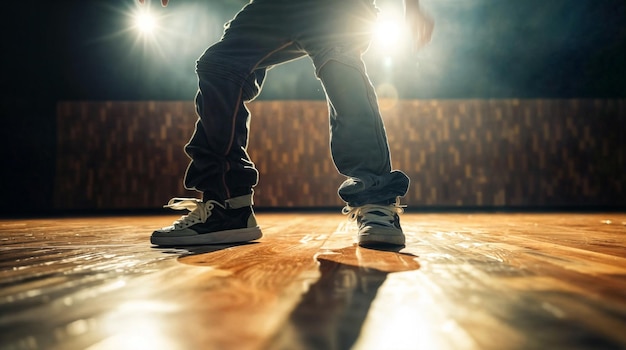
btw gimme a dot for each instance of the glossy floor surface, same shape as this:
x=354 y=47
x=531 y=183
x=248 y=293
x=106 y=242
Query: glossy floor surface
x=480 y=281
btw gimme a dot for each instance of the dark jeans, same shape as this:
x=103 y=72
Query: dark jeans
x=334 y=34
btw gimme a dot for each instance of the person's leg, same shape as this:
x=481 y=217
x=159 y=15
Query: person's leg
x=361 y=152
x=359 y=144
x=230 y=73
x=358 y=139
x=220 y=167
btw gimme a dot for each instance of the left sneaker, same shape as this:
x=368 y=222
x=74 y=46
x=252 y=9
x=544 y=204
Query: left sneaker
x=209 y=222
x=378 y=224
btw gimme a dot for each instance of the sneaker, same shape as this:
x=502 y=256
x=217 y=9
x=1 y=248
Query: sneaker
x=378 y=224
x=208 y=223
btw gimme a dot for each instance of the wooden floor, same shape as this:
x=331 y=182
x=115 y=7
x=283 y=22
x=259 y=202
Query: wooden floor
x=481 y=281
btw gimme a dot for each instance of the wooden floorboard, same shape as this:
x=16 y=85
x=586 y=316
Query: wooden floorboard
x=463 y=281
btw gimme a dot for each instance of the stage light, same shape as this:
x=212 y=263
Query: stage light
x=387 y=33
x=145 y=22
x=149 y=29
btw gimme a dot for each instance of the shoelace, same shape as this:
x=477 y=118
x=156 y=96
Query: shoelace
x=367 y=212
x=198 y=211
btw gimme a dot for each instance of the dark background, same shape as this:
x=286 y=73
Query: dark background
x=82 y=50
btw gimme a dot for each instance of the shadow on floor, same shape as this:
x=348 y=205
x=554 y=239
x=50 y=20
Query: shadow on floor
x=331 y=313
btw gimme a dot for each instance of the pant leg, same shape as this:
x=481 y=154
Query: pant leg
x=358 y=140
x=231 y=73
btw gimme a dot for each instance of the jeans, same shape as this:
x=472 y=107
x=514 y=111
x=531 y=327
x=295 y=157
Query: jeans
x=334 y=34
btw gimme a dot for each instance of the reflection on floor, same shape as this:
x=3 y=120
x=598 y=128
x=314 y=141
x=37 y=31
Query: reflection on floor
x=481 y=281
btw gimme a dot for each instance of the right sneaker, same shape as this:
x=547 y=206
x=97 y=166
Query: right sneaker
x=378 y=224
x=208 y=222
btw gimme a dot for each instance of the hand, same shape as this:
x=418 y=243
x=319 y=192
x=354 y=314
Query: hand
x=163 y=2
x=420 y=24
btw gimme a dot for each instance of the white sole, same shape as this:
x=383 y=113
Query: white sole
x=381 y=239
x=218 y=237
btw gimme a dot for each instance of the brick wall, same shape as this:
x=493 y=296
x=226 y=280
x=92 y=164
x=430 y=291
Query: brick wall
x=466 y=153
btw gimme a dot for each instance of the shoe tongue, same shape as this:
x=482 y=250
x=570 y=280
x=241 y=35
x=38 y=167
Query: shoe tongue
x=374 y=216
